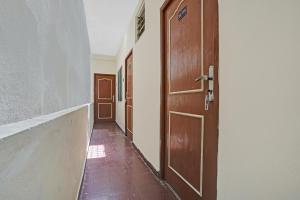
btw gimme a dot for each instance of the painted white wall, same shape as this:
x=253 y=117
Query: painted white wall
x=126 y=47
x=259 y=131
x=44 y=68
x=259 y=140
x=146 y=82
x=44 y=58
x=43 y=158
x=101 y=65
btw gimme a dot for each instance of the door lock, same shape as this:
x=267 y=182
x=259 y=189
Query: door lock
x=210 y=92
x=211 y=83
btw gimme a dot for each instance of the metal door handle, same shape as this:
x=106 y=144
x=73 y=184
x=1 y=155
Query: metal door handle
x=202 y=78
x=210 y=78
x=113 y=98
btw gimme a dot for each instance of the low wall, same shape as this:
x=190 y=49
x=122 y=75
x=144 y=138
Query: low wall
x=43 y=158
x=91 y=117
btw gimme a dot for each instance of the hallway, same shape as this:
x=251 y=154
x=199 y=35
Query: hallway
x=114 y=170
x=149 y=100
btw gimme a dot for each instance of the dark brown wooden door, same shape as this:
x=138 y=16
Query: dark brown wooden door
x=190 y=45
x=129 y=98
x=104 y=98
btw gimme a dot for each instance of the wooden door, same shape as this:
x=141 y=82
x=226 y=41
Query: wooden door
x=129 y=98
x=190 y=63
x=104 y=98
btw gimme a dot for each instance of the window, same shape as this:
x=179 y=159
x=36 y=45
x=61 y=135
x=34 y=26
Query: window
x=120 y=92
x=140 y=22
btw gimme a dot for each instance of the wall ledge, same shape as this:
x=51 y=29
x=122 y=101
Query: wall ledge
x=12 y=129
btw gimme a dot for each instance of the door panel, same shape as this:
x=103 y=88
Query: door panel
x=129 y=96
x=104 y=98
x=184 y=43
x=104 y=110
x=184 y=152
x=190 y=45
x=105 y=91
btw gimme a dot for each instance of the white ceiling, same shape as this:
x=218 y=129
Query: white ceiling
x=107 y=21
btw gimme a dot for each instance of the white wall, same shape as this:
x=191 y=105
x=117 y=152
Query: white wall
x=101 y=65
x=44 y=68
x=146 y=83
x=259 y=113
x=259 y=142
x=44 y=58
x=126 y=47
x=43 y=158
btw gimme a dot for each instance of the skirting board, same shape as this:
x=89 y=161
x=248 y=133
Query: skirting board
x=120 y=128
x=143 y=157
x=157 y=173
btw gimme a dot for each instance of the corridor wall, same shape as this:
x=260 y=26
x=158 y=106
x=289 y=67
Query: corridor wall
x=259 y=128
x=45 y=110
x=146 y=82
x=44 y=58
x=259 y=140
x=43 y=158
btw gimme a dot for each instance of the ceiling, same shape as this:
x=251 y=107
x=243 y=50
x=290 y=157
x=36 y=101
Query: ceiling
x=107 y=22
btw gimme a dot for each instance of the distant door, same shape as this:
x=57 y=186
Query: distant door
x=190 y=32
x=129 y=98
x=104 y=98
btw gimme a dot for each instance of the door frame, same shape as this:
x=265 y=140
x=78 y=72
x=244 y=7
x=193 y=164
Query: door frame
x=114 y=89
x=128 y=55
x=162 y=88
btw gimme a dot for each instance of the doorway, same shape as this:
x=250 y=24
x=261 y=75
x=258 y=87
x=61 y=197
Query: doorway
x=190 y=97
x=104 y=98
x=128 y=95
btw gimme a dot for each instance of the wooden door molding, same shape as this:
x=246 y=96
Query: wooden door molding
x=210 y=41
x=108 y=101
x=162 y=89
x=128 y=102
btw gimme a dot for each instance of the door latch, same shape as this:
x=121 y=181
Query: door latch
x=206 y=102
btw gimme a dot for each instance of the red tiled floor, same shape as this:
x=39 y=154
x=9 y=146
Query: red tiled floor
x=115 y=171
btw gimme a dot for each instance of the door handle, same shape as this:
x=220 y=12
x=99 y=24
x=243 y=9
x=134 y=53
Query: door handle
x=113 y=98
x=210 y=78
x=201 y=78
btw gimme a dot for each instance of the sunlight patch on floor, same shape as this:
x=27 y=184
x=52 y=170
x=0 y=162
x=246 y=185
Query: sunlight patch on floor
x=96 y=151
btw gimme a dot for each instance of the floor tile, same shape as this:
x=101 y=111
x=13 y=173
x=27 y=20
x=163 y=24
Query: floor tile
x=115 y=171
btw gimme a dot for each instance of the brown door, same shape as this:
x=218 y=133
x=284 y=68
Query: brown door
x=104 y=98
x=190 y=57
x=129 y=99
